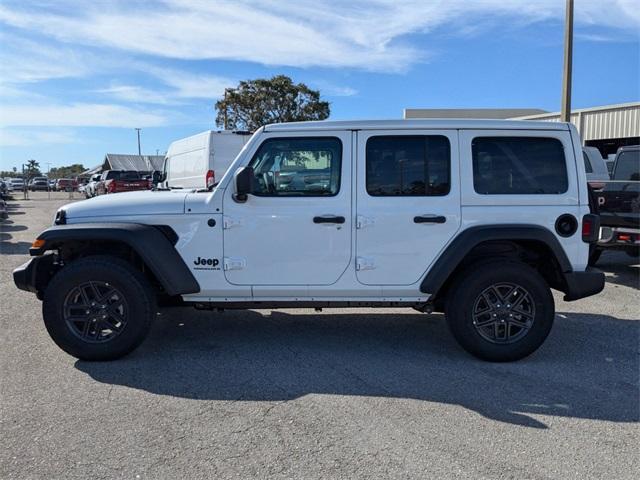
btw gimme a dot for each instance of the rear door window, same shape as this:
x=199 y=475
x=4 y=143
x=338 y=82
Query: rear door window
x=408 y=165
x=518 y=166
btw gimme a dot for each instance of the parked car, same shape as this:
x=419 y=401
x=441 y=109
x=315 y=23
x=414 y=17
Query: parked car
x=619 y=206
x=90 y=189
x=116 y=181
x=15 y=185
x=438 y=215
x=39 y=183
x=595 y=166
x=52 y=185
x=3 y=188
x=201 y=160
x=66 y=185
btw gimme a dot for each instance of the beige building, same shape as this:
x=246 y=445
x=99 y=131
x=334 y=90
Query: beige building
x=607 y=127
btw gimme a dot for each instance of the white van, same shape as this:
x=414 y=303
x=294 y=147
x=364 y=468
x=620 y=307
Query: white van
x=201 y=160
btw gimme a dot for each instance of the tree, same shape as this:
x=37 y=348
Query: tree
x=32 y=169
x=254 y=103
x=71 y=171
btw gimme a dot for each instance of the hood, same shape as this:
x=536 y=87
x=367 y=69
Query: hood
x=128 y=204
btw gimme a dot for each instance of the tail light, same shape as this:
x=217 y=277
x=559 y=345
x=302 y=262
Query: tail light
x=597 y=185
x=590 y=228
x=111 y=187
x=210 y=178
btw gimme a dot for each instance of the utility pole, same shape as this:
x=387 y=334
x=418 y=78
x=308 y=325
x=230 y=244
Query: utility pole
x=138 y=131
x=48 y=179
x=565 y=115
x=24 y=184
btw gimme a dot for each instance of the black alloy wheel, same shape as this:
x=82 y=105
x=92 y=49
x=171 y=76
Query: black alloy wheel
x=503 y=313
x=95 y=311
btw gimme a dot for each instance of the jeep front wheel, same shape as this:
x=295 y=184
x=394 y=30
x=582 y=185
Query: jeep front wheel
x=98 y=308
x=500 y=310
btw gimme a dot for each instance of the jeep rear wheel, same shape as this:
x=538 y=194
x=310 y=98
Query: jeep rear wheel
x=500 y=310
x=98 y=308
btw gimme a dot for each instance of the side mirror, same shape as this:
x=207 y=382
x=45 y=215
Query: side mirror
x=243 y=181
x=158 y=177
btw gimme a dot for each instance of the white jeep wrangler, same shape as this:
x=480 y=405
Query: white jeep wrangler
x=478 y=219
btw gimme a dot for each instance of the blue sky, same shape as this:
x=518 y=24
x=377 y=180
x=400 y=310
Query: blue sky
x=76 y=77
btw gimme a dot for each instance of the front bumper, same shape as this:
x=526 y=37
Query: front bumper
x=34 y=275
x=583 y=284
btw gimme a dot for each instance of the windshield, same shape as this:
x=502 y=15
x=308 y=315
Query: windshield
x=627 y=166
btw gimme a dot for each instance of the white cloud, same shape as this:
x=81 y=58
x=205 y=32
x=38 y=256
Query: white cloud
x=137 y=94
x=596 y=37
x=179 y=86
x=189 y=85
x=42 y=62
x=79 y=114
x=363 y=34
x=12 y=137
x=332 y=90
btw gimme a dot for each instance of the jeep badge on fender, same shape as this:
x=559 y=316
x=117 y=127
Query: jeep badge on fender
x=212 y=262
x=435 y=215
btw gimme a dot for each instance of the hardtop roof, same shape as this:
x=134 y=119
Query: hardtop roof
x=427 y=124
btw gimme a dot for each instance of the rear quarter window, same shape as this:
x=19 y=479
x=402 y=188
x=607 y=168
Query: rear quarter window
x=130 y=176
x=519 y=166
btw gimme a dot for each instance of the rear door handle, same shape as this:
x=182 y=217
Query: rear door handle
x=429 y=219
x=328 y=219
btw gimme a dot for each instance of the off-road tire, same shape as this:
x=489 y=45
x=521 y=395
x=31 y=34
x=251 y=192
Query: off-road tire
x=466 y=295
x=130 y=284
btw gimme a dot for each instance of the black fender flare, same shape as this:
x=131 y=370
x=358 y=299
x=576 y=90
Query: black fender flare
x=466 y=240
x=154 y=244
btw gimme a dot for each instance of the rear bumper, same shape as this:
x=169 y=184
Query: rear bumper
x=583 y=284
x=619 y=237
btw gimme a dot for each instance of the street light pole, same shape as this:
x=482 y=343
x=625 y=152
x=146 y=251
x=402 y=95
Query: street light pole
x=48 y=180
x=138 y=131
x=565 y=115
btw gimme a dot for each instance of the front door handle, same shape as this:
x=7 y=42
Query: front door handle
x=429 y=219
x=328 y=219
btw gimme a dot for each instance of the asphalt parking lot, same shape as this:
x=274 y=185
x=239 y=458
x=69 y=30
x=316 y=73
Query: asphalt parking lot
x=297 y=394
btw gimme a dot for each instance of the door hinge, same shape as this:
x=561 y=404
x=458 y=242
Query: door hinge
x=234 y=263
x=362 y=221
x=364 y=263
x=229 y=222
